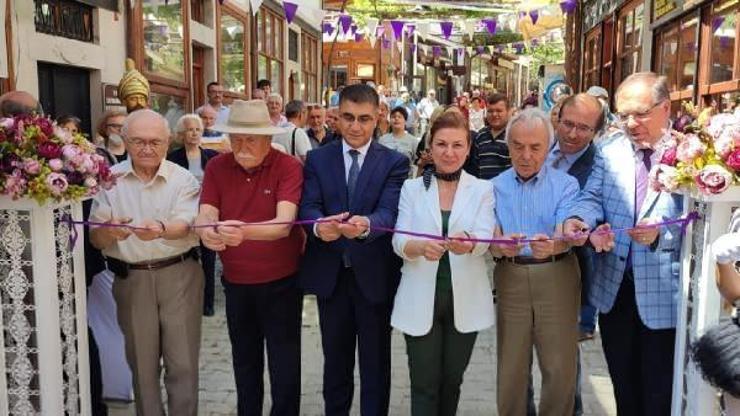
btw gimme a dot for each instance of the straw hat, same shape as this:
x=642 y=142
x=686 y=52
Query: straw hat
x=249 y=117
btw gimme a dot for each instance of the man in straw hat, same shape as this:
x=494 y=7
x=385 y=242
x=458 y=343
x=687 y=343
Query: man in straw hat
x=257 y=184
x=133 y=89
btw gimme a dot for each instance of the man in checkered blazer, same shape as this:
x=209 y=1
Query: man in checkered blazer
x=636 y=282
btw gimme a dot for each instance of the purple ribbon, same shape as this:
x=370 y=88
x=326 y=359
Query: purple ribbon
x=684 y=222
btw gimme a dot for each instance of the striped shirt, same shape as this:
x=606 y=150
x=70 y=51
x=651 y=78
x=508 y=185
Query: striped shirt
x=534 y=206
x=489 y=155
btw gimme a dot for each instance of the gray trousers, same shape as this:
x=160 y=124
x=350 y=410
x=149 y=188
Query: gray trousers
x=160 y=315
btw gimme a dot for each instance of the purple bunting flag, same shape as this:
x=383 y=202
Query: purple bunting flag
x=397 y=26
x=359 y=37
x=534 y=15
x=490 y=26
x=327 y=28
x=436 y=51
x=290 y=10
x=410 y=29
x=717 y=22
x=480 y=49
x=724 y=42
x=386 y=43
x=412 y=47
x=345 y=21
x=522 y=15
x=446 y=29
x=379 y=31
x=568 y=6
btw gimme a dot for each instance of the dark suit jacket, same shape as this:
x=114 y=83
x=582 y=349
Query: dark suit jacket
x=180 y=157
x=581 y=170
x=379 y=183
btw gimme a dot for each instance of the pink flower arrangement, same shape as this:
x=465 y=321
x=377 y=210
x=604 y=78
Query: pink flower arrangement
x=39 y=160
x=707 y=159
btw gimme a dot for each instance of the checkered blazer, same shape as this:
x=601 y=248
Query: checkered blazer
x=609 y=196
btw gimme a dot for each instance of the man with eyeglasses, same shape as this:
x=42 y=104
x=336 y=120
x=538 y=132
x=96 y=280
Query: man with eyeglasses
x=215 y=92
x=158 y=286
x=636 y=272
x=352 y=185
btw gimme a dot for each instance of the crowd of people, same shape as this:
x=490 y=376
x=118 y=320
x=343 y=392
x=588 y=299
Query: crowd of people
x=299 y=199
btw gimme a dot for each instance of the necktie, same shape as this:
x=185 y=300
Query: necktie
x=354 y=172
x=559 y=158
x=642 y=171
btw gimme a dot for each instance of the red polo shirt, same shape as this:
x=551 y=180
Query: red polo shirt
x=252 y=196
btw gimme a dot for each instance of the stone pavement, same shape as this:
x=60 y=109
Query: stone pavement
x=478 y=398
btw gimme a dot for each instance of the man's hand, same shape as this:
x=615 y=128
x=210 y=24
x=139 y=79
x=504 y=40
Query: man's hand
x=602 y=238
x=328 y=229
x=460 y=247
x=148 y=230
x=433 y=250
x=211 y=238
x=119 y=233
x=644 y=233
x=231 y=232
x=543 y=248
x=511 y=250
x=354 y=227
x=575 y=231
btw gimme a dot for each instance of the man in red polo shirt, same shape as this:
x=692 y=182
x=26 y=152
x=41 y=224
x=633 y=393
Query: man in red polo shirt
x=257 y=184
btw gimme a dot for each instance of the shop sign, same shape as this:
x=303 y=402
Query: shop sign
x=662 y=7
x=459 y=70
x=110 y=98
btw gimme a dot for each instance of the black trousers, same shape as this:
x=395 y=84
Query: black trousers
x=350 y=320
x=97 y=404
x=640 y=359
x=208 y=262
x=260 y=314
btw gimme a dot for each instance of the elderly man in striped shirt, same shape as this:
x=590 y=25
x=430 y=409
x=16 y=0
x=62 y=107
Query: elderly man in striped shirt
x=538 y=284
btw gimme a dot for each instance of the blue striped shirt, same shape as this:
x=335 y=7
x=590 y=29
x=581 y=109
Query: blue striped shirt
x=534 y=206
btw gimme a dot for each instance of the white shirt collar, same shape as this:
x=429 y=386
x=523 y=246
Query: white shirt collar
x=363 y=150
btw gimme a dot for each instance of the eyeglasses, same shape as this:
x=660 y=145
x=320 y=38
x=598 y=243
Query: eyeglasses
x=146 y=143
x=639 y=117
x=363 y=120
x=580 y=128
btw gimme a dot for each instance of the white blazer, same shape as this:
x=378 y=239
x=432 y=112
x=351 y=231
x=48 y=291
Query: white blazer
x=472 y=211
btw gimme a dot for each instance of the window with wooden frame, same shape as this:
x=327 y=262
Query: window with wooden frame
x=591 y=61
x=676 y=55
x=233 y=57
x=310 y=67
x=607 y=49
x=629 y=39
x=720 y=63
x=270 y=35
x=159 y=44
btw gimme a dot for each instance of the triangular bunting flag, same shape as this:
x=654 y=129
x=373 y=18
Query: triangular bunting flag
x=423 y=29
x=450 y=52
x=372 y=39
x=436 y=51
x=491 y=49
x=256 y=4
x=372 y=25
x=345 y=21
x=424 y=48
x=460 y=56
x=399 y=46
x=534 y=15
x=327 y=28
x=380 y=31
x=469 y=26
x=290 y=10
x=490 y=26
x=359 y=37
x=410 y=29
x=397 y=26
x=412 y=47
x=446 y=28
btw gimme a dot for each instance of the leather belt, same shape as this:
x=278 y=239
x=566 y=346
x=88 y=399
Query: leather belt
x=527 y=260
x=162 y=263
x=121 y=268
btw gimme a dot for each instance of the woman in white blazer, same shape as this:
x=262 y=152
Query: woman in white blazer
x=444 y=296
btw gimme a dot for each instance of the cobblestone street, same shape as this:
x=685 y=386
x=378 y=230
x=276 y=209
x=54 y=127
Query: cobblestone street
x=218 y=393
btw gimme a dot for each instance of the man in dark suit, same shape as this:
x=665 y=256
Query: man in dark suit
x=581 y=119
x=353 y=185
